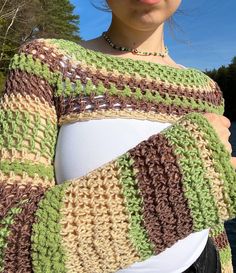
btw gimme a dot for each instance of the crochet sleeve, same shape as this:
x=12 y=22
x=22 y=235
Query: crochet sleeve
x=168 y=186
x=28 y=130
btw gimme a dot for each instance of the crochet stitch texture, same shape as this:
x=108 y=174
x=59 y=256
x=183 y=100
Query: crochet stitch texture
x=168 y=186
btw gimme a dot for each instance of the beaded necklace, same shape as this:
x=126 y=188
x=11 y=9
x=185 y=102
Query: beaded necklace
x=133 y=50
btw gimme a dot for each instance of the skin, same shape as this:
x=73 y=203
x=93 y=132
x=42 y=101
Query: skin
x=221 y=125
x=139 y=25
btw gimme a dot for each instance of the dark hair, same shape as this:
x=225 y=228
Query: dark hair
x=103 y=6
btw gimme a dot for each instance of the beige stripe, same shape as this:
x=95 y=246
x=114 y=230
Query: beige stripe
x=26 y=104
x=25 y=179
x=32 y=105
x=13 y=154
x=101 y=114
x=38 y=140
x=95 y=224
x=217 y=184
x=228 y=268
x=74 y=62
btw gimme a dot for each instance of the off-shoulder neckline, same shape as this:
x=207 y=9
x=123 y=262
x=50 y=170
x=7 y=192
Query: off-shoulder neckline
x=130 y=60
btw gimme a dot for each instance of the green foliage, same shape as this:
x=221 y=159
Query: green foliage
x=24 y=20
x=2 y=81
x=233 y=60
x=57 y=20
x=226 y=79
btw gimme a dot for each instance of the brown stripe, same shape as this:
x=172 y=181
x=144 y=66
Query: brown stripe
x=21 y=82
x=49 y=55
x=18 y=252
x=46 y=54
x=80 y=104
x=221 y=240
x=167 y=217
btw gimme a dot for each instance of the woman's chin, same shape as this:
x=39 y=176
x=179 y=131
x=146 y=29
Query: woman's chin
x=145 y=23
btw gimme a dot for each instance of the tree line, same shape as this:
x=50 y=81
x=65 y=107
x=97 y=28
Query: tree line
x=23 y=20
x=225 y=76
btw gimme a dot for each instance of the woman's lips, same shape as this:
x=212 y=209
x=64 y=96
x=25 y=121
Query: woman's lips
x=150 y=2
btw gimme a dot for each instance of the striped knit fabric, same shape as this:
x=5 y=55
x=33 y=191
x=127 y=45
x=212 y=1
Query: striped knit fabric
x=170 y=185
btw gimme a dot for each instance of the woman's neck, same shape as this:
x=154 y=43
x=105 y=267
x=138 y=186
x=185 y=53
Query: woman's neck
x=143 y=40
x=123 y=35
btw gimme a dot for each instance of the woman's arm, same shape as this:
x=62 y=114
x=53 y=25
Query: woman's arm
x=176 y=182
x=28 y=131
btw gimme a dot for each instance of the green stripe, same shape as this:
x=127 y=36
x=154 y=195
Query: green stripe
x=196 y=185
x=5 y=229
x=133 y=201
x=221 y=160
x=225 y=257
x=189 y=77
x=225 y=254
x=217 y=230
x=34 y=66
x=19 y=168
x=48 y=254
x=17 y=127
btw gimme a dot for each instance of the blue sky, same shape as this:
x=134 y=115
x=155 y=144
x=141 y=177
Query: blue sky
x=205 y=37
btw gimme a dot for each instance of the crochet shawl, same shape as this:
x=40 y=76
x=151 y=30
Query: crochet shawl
x=176 y=182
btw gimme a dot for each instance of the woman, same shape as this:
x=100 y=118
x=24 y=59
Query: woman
x=141 y=155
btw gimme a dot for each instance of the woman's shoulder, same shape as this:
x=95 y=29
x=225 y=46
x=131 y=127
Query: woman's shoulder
x=55 y=51
x=52 y=44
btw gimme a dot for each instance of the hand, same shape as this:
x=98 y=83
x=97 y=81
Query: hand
x=221 y=125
